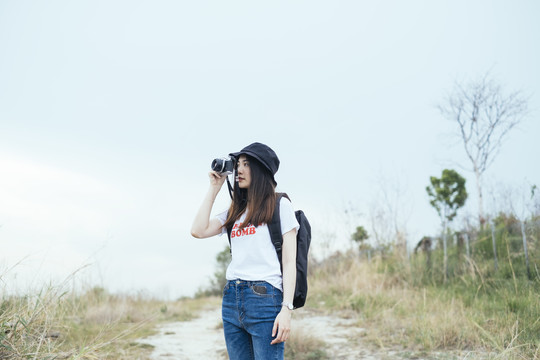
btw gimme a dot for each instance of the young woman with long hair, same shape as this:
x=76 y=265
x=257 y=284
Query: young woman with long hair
x=258 y=296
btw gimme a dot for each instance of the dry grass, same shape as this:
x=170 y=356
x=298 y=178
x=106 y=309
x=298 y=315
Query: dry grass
x=427 y=318
x=58 y=324
x=302 y=346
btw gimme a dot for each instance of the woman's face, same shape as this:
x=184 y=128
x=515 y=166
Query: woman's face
x=243 y=172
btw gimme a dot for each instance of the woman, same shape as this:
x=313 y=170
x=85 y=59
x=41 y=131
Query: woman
x=258 y=296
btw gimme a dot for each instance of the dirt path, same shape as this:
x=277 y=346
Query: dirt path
x=202 y=338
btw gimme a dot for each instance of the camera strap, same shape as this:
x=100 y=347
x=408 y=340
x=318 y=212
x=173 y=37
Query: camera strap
x=230 y=187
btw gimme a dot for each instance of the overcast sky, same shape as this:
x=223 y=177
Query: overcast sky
x=111 y=112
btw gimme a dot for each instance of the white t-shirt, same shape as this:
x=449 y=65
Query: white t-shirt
x=254 y=257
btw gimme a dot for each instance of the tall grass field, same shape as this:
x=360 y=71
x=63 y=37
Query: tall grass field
x=403 y=303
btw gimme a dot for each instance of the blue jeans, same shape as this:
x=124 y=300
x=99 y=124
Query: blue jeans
x=249 y=309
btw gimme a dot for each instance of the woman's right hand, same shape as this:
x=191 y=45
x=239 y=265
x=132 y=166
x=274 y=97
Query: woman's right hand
x=216 y=179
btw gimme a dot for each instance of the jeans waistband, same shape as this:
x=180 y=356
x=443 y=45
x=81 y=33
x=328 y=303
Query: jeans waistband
x=244 y=282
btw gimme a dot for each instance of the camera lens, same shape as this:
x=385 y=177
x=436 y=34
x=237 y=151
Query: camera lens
x=217 y=165
x=223 y=165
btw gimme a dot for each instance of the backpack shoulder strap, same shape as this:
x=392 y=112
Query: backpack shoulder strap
x=274 y=227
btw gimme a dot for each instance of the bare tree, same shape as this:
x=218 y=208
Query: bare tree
x=484 y=115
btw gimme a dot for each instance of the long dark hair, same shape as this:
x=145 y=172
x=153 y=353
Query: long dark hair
x=259 y=197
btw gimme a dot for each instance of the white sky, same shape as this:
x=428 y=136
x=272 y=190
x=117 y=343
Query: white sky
x=111 y=112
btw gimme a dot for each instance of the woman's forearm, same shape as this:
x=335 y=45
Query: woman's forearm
x=202 y=227
x=202 y=219
x=289 y=266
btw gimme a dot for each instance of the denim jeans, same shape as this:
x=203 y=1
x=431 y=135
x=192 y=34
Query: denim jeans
x=249 y=309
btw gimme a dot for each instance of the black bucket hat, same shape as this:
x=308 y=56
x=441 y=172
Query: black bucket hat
x=266 y=156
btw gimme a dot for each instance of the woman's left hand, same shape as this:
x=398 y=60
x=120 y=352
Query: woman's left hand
x=282 y=326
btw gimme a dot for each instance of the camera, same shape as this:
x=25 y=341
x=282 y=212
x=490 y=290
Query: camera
x=223 y=165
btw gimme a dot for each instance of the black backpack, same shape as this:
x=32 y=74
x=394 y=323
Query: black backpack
x=303 y=240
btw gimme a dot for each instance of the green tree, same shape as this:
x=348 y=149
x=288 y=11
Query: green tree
x=447 y=195
x=360 y=236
